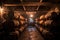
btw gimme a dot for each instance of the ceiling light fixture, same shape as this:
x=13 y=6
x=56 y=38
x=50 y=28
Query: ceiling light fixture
x=31 y=15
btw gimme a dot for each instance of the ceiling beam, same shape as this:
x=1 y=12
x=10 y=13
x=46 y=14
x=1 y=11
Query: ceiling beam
x=29 y=4
x=23 y=5
x=24 y=8
x=38 y=6
x=41 y=0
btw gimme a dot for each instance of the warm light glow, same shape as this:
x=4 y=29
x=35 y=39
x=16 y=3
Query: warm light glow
x=42 y=16
x=1 y=10
x=21 y=17
x=41 y=22
x=31 y=15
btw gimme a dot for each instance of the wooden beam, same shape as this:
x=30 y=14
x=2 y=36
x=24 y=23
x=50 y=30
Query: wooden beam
x=29 y=4
x=38 y=6
x=24 y=8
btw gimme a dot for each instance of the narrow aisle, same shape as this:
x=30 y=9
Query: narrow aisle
x=31 y=33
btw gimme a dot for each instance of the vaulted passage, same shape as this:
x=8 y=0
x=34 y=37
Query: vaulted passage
x=29 y=19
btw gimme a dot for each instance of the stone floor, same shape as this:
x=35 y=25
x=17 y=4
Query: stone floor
x=31 y=33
